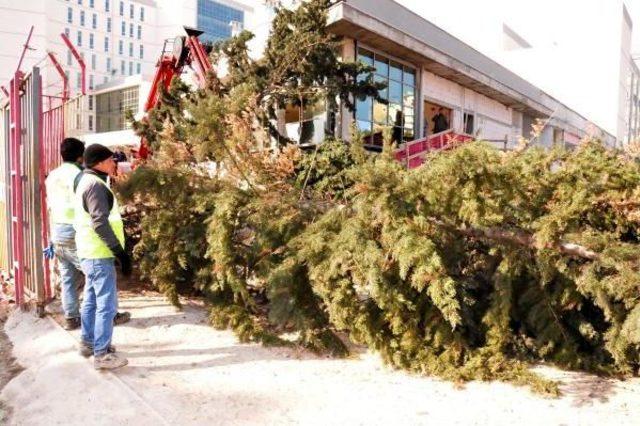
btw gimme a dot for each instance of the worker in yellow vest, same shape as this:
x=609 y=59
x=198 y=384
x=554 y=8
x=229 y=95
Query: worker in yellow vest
x=59 y=186
x=60 y=200
x=100 y=240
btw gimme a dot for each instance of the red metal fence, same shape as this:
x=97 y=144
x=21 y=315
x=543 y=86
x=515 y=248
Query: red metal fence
x=25 y=189
x=29 y=149
x=413 y=153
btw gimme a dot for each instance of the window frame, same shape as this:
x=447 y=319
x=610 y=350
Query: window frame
x=369 y=142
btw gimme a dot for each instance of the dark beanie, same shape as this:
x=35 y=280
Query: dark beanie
x=71 y=149
x=96 y=153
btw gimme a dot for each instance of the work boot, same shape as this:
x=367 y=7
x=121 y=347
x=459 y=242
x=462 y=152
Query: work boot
x=121 y=318
x=71 y=323
x=109 y=361
x=86 y=349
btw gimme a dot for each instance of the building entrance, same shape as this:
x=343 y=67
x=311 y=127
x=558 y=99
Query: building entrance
x=437 y=118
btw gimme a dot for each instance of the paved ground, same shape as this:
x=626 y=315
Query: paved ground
x=8 y=367
x=183 y=372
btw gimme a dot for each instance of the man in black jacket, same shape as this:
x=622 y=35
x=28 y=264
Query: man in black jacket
x=100 y=240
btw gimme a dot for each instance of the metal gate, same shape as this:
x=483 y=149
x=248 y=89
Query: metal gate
x=23 y=126
x=29 y=149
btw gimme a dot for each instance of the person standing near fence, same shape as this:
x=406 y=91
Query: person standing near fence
x=100 y=241
x=60 y=200
x=59 y=186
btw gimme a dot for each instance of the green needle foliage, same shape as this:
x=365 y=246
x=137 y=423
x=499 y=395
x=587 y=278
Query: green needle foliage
x=473 y=266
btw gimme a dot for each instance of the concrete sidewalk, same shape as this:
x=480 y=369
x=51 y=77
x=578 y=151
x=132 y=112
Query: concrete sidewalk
x=183 y=372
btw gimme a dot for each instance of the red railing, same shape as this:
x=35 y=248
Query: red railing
x=413 y=153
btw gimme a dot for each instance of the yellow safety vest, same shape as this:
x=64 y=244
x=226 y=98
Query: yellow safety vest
x=60 y=198
x=88 y=242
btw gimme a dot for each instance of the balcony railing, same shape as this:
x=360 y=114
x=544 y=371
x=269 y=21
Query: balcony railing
x=413 y=153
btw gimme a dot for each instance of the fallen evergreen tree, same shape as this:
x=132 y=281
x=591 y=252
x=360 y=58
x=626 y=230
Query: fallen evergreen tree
x=471 y=267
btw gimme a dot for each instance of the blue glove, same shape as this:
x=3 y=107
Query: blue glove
x=49 y=252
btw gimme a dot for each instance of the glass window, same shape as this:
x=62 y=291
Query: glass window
x=91 y=82
x=80 y=2
x=70 y=15
x=382 y=66
x=380 y=113
x=395 y=91
x=364 y=109
x=79 y=38
x=82 y=18
x=111 y=108
x=217 y=20
x=130 y=68
x=142 y=13
x=109 y=65
x=122 y=65
x=384 y=93
x=106 y=44
x=91 y=122
x=365 y=57
x=138 y=68
x=69 y=58
x=409 y=121
x=66 y=32
x=395 y=71
x=123 y=29
x=94 y=21
x=91 y=41
x=139 y=32
x=130 y=49
x=93 y=62
x=468 y=123
x=121 y=8
x=106 y=5
x=131 y=30
x=395 y=115
x=131 y=14
x=90 y=102
x=409 y=99
x=141 y=52
x=364 y=126
x=108 y=25
x=120 y=47
x=373 y=116
x=78 y=80
x=409 y=76
x=91 y=3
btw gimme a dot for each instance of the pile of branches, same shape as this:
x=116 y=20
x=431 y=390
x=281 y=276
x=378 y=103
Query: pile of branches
x=471 y=267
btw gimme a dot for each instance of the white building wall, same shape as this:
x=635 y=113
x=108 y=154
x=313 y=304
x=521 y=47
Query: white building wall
x=493 y=120
x=625 y=80
x=17 y=18
x=577 y=47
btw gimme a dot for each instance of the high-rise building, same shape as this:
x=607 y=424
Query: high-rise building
x=120 y=41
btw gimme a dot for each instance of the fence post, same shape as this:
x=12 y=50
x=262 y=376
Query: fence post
x=36 y=177
x=17 y=218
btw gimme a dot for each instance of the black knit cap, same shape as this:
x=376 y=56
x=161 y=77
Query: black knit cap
x=96 y=153
x=71 y=149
